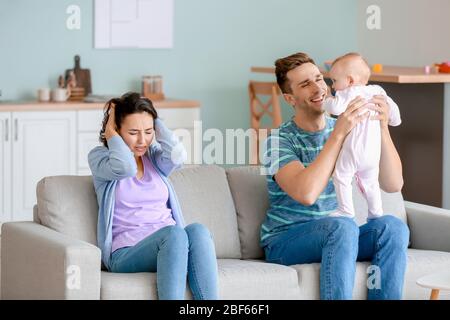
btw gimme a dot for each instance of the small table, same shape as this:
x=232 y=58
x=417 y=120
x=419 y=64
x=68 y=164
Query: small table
x=435 y=282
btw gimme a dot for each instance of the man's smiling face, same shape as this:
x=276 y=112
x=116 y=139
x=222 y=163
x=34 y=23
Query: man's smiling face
x=308 y=89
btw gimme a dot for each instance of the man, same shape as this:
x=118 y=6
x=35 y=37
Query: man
x=300 y=227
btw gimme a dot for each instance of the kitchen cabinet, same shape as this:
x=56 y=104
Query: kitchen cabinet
x=35 y=145
x=88 y=132
x=5 y=166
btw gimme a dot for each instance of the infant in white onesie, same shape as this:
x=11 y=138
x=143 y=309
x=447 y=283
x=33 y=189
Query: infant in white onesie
x=361 y=150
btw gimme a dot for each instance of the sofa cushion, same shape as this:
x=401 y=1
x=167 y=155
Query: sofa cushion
x=309 y=277
x=238 y=279
x=205 y=197
x=128 y=286
x=255 y=280
x=250 y=195
x=68 y=204
x=420 y=263
x=249 y=190
x=131 y=286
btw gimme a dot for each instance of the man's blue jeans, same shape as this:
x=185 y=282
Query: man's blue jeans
x=337 y=243
x=174 y=252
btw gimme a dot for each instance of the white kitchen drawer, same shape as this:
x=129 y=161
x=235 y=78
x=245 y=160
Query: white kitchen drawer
x=179 y=118
x=90 y=120
x=84 y=172
x=86 y=142
x=186 y=136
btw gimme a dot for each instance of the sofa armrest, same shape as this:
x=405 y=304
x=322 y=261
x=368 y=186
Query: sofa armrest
x=429 y=226
x=40 y=263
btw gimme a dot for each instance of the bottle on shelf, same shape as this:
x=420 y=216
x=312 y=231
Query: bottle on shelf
x=152 y=87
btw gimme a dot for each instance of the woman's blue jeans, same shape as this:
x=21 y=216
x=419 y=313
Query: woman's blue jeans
x=174 y=253
x=337 y=243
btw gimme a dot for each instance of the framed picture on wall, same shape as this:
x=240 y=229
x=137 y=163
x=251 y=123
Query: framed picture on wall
x=133 y=24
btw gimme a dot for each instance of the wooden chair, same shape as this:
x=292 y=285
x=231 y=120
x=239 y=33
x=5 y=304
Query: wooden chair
x=258 y=109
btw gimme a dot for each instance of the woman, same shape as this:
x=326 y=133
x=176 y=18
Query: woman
x=140 y=224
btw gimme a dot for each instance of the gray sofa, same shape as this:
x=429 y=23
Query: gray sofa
x=56 y=257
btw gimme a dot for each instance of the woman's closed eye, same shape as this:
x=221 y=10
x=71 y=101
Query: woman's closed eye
x=148 y=132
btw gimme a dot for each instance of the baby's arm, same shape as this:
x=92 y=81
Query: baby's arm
x=334 y=105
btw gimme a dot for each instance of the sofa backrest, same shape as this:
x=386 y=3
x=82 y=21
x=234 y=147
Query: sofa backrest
x=68 y=204
x=393 y=204
x=205 y=197
x=231 y=203
x=249 y=190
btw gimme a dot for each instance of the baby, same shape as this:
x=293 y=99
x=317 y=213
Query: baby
x=360 y=153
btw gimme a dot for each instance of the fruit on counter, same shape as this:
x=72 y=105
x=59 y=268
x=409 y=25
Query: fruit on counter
x=444 y=67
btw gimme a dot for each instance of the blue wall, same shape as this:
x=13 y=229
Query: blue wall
x=215 y=43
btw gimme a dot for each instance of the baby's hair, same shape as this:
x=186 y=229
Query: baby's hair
x=348 y=55
x=352 y=56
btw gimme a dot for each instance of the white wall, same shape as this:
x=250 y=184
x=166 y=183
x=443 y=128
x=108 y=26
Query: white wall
x=413 y=32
